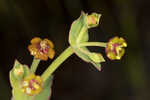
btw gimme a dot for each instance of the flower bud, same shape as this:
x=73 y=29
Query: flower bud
x=18 y=70
x=93 y=20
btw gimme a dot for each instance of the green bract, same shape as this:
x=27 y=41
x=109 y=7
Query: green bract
x=96 y=57
x=79 y=34
x=16 y=78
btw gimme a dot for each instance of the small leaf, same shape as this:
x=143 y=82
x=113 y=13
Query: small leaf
x=83 y=53
x=18 y=70
x=97 y=66
x=96 y=57
x=79 y=30
x=17 y=73
x=13 y=80
x=19 y=95
x=26 y=70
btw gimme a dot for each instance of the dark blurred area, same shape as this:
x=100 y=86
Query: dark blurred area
x=127 y=79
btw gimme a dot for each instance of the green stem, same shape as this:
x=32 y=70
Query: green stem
x=99 y=44
x=34 y=65
x=55 y=64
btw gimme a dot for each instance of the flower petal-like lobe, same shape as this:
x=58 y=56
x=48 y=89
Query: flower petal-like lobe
x=35 y=40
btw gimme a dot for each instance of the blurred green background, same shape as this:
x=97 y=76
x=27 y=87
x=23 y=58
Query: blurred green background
x=128 y=79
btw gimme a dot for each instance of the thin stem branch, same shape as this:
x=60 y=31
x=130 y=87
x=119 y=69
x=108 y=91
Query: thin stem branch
x=99 y=44
x=55 y=64
x=34 y=65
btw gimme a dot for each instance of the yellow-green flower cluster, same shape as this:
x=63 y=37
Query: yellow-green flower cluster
x=32 y=85
x=115 y=48
x=41 y=49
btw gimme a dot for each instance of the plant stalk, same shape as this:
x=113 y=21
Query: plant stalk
x=55 y=64
x=34 y=65
x=99 y=44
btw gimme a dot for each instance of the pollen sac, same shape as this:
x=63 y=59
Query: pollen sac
x=41 y=49
x=115 y=48
x=32 y=85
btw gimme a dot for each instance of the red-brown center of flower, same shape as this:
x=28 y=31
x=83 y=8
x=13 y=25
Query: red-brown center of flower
x=31 y=84
x=114 y=46
x=43 y=47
